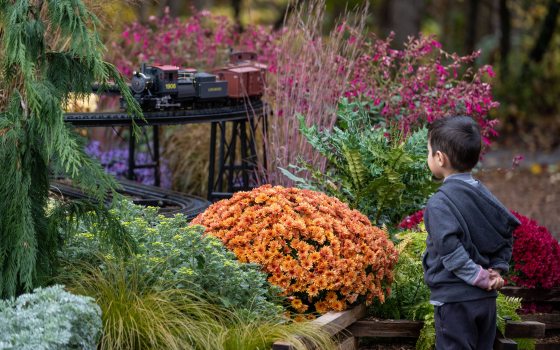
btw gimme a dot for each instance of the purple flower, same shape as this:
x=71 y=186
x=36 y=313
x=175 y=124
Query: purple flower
x=115 y=162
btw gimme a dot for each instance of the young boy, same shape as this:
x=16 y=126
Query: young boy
x=469 y=239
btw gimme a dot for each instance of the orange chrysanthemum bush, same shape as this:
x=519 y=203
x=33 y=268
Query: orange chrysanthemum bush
x=323 y=255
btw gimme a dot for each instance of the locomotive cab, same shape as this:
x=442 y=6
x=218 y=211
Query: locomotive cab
x=166 y=79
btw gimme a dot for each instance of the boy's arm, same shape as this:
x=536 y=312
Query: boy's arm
x=445 y=230
x=501 y=261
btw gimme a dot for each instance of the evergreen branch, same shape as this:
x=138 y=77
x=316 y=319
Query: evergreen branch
x=132 y=106
x=49 y=52
x=23 y=192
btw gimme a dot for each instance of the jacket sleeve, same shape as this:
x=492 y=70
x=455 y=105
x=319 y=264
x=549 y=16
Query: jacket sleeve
x=446 y=233
x=502 y=257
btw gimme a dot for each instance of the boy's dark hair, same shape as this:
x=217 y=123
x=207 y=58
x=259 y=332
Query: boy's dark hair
x=459 y=138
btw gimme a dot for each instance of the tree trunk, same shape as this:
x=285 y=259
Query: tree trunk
x=470 y=40
x=405 y=17
x=289 y=8
x=547 y=30
x=236 y=4
x=142 y=10
x=505 y=37
x=543 y=41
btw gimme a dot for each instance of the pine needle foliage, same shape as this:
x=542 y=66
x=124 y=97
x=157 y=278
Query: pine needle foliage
x=50 y=53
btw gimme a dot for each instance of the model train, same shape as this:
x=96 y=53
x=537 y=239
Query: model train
x=160 y=87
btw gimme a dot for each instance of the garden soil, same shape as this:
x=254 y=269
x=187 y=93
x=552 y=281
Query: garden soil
x=532 y=189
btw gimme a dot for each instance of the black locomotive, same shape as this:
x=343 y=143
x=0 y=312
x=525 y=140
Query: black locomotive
x=164 y=86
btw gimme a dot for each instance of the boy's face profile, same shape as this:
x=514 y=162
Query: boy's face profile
x=436 y=163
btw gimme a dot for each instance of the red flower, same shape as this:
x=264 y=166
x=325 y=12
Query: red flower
x=536 y=256
x=412 y=221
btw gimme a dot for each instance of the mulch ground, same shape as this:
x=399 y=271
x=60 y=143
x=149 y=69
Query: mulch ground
x=533 y=192
x=552 y=338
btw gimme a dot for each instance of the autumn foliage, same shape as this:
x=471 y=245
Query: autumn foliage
x=324 y=255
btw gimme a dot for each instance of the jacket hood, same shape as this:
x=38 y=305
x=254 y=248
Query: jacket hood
x=490 y=212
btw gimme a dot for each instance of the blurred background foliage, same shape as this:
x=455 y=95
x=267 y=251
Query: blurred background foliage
x=520 y=38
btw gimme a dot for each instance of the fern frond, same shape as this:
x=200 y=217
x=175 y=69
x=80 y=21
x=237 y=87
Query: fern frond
x=356 y=167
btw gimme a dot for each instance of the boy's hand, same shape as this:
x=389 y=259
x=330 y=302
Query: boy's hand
x=496 y=280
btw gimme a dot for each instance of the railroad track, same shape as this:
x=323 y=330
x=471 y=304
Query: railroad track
x=186 y=116
x=168 y=202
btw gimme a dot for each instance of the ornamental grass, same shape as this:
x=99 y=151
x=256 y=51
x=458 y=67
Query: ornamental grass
x=323 y=255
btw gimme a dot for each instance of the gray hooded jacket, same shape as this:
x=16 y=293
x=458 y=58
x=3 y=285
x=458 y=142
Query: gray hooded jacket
x=468 y=229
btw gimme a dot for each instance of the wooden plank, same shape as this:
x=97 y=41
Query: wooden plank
x=282 y=345
x=533 y=294
x=331 y=322
x=386 y=328
x=525 y=329
x=411 y=329
x=503 y=343
x=549 y=346
x=348 y=343
x=551 y=321
x=334 y=322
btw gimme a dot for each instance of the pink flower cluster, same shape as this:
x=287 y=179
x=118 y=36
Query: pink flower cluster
x=535 y=258
x=201 y=41
x=422 y=82
x=411 y=87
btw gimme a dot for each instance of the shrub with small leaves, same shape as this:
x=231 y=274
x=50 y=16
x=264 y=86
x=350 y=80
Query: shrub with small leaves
x=49 y=319
x=179 y=254
x=324 y=255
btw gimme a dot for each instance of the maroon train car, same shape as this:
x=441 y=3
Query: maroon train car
x=244 y=75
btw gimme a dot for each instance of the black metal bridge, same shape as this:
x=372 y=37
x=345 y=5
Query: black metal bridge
x=228 y=171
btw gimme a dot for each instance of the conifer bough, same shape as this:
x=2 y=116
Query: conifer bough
x=50 y=52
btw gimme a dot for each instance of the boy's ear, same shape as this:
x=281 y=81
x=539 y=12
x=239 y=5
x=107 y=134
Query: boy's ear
x=440 y=158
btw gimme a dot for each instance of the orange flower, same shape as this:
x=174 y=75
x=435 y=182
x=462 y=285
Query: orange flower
x=338 y=305
x=311 y=245
x=298 y=305
x=331 y=297
x=321 y=307
x=312 y=291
